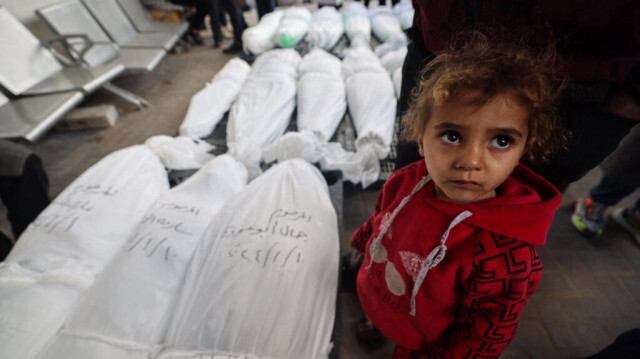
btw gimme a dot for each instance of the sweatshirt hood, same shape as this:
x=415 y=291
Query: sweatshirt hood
x=523 y=210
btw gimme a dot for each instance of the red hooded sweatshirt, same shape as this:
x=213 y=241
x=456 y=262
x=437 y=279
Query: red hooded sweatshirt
x=450 y=280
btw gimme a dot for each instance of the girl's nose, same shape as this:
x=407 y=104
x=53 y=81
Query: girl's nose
x=470 y=158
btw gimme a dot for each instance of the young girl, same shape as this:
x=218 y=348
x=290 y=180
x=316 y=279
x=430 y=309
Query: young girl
x=450 y=257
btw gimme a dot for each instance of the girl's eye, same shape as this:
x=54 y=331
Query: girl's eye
x=450 y=137
x=501 y=142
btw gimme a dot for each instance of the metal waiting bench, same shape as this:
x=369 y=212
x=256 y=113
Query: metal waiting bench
x=72 y=17
x=118 y=26
x=144 y=22
x=31 y=117
x=29 y=68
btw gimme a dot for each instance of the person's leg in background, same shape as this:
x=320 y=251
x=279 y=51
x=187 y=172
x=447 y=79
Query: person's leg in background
x=621 y=176
x=195 y=19
x=24 y=188
x=264 y=7
x=211 y=8
x=232 y=7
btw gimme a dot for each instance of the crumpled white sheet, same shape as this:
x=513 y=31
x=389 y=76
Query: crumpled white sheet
x=372 y=106
x=293 y=26
x=263 y=109
x=180 y=153
x=362 y=166
x=356 y=21
x=326 y=28
x=125 y=314
x=208 y=106
x=384 y=23
x=69 y=244
x=260 y=37
x=404 y=12
x=304 y=144
x=263 y=280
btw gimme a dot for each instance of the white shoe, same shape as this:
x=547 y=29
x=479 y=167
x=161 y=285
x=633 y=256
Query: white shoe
x=624 y=218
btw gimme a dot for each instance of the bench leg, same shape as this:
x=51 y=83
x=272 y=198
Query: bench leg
x=126 y=95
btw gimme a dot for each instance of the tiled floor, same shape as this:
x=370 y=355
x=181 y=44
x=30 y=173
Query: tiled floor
x=590 y=291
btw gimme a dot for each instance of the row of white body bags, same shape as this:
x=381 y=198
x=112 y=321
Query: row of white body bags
x=263 y=280
x=70 y=243
x=125 y=314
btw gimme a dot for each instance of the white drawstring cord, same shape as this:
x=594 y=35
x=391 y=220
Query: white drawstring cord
x=434 y=258
x=387 y=219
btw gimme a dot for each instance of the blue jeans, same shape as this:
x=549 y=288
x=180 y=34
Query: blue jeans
x=610 y=192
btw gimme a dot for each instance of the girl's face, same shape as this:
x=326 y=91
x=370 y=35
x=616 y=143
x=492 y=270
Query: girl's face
x=470 y=150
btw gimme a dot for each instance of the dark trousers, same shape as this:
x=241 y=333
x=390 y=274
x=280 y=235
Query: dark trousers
x=381 y=2
x=264 y=7
x=214 y=9
x=609 y=191
x=24 y=196
x=232 y=7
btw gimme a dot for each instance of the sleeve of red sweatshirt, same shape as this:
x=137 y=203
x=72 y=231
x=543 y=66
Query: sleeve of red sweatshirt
x=505 y=274
x=362 y=234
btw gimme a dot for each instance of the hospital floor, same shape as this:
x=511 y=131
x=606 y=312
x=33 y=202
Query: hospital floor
x=590 y=290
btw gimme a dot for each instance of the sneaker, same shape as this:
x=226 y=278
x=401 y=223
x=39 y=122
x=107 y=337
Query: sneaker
x=588 y=217
x=234 y=48
x=629 y=220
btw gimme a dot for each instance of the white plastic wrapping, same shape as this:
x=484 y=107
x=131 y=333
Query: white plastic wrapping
x=322 y=98
x=69 y=244
x=321 y=106
x=356 y=21
x=384 y=23
x=263 y=109
x=370 y=98
x=263 y=280
x=293 y=26
x=360 y=59
x=396 y=77
x=260 y=37
x=326 y=28
x=208 y=106
x=372 y=106
x=404 y=12
x=91 y=218
x=394 y=59
x=32 y=309
x=394 y=42
x=305 y=145
x=125 y=314
x=180 y=153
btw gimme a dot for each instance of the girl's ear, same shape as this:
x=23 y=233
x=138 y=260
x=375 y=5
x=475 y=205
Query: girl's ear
x=420 y=148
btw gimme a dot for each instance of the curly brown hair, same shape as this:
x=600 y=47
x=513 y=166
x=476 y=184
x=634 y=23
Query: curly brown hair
x=525 y=74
